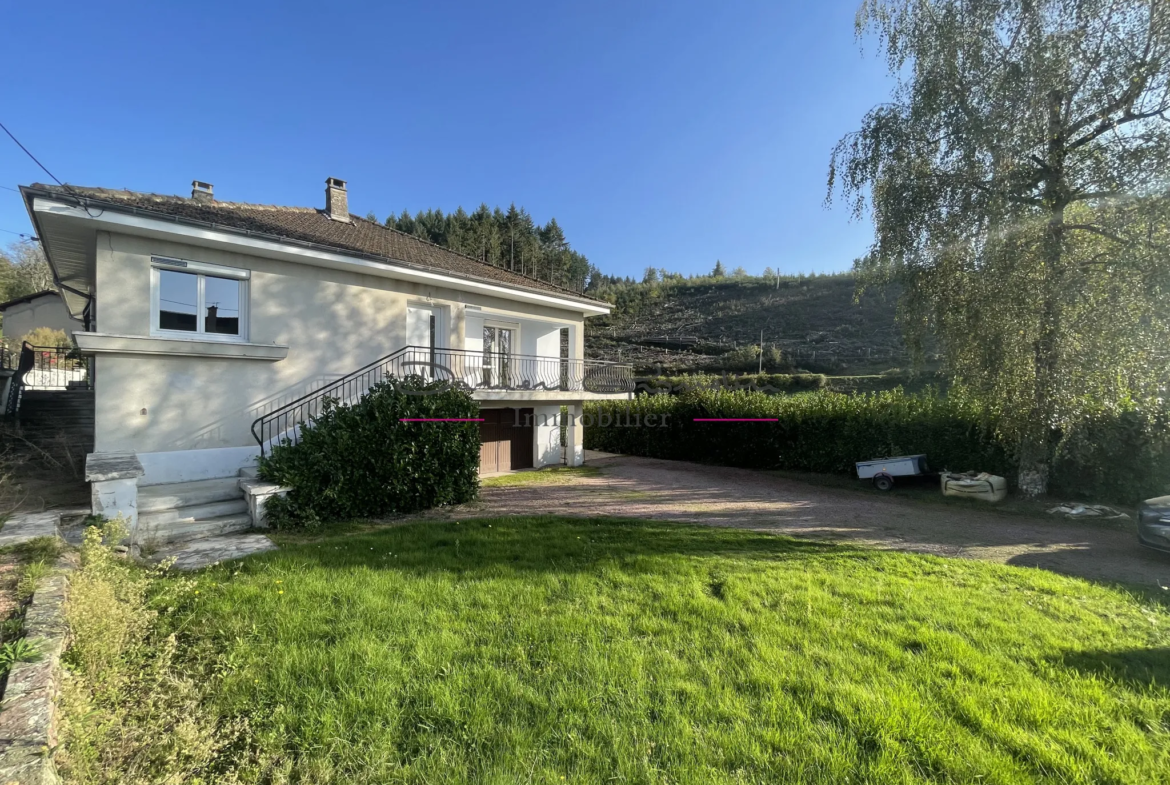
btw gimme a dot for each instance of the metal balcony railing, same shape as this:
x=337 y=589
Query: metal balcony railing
x=55 y=368
x=44 y=368
x=460 y=368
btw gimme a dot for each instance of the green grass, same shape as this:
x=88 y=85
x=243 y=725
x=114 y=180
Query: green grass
x=550 y=475
x=556 y=650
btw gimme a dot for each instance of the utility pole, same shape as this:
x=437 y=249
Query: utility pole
x=761 y=352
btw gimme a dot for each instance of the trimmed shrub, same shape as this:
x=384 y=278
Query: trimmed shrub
x=818 y=431
x=1121 y=456
x=361 y=460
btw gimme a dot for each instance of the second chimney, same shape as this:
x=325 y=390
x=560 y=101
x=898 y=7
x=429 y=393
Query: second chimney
x=202 y=192
x=336 y=201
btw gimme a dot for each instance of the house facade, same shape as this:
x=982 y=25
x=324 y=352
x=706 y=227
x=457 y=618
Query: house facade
x=215 y=326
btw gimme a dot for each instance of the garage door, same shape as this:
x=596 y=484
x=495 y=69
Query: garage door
x=503 y=445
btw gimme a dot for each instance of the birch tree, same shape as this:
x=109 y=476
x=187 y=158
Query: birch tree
x=1017 y=181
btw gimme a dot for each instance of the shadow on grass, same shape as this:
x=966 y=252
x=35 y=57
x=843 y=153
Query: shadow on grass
x=1133 y=667
x=543 y=543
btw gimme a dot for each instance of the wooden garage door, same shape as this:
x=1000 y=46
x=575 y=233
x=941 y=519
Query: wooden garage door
x=503 y=445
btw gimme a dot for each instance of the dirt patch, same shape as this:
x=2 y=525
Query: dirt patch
x=763 y=501
x=9 y=577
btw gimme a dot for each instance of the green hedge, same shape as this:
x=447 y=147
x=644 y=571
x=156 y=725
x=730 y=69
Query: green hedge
x=361 y=460
x=1119 y=458
x=1120 y=455
x=820 y=431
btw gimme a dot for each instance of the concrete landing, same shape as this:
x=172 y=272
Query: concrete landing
x=25 y=526
x=205 y=552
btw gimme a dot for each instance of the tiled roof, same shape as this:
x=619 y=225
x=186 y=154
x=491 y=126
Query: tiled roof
x=310 y=225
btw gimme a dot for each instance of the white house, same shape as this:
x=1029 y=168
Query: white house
x=43 y=309
x=217 y=327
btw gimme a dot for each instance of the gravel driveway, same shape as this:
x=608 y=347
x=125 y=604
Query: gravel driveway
x=721 y=496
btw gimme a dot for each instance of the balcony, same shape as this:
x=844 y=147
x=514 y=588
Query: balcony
x=472 y=370
x=480 y=373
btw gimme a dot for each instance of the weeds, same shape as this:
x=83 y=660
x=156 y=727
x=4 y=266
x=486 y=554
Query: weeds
x=132 y=711
x=11 y=628
x=31 y=577
x=19 y=650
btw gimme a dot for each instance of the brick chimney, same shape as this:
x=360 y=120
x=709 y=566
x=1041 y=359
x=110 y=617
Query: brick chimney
x=336 y=201
x=202 y=192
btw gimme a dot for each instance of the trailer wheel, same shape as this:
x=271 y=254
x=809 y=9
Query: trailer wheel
x=883 y=482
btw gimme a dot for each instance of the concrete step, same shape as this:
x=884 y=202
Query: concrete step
x=192 y=512
x=185 y=531
x=154 y=498
x=212 y=550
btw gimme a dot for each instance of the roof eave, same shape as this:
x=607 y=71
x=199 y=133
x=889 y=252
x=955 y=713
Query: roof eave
x=31 y=194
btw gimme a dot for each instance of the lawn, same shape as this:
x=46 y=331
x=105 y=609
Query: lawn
x=549 y=475
x=554 y=650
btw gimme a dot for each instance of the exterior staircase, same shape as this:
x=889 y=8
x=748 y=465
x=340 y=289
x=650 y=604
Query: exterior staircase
x=185 y=511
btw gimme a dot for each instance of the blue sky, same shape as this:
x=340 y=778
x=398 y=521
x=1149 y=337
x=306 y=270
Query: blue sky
x=669 y=134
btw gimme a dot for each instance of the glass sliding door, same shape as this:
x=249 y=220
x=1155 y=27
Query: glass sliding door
x=497 y=353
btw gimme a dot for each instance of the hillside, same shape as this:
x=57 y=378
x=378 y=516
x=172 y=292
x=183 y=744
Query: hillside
x=698 y=324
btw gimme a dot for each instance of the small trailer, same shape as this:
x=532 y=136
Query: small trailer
x=882 y=471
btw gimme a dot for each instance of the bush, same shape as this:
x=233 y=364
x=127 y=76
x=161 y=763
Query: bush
x=818 y=431
x=47 y=336
x=132 y=711
x=747 y=358
x=361 y=460
x=1120 y=456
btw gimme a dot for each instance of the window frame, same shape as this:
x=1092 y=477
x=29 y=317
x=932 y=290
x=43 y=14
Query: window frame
x=202 y=271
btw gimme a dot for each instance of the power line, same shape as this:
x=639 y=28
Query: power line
x=21 y=234
x=6 y=188
x=33 y=157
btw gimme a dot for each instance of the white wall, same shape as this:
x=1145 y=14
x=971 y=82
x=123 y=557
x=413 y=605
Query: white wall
x=332 y=321
x=48 y=311
x=546 y=436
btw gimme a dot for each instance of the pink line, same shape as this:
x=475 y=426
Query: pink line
x=441 y=419
x=737 y=419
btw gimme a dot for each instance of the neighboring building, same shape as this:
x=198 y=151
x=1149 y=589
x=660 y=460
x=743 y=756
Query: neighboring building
x=43 y=309
x=209 y=319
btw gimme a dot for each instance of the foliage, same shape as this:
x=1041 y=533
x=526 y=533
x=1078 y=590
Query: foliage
x=23 y=271
x=131 y=712
x=47 y=336
x=509 y=239
x=40 y=549
x=819 y=431
x=521 y=650
x=19 y=650
x=1121 y=453
x=362 y=460
x=1016 y=182
x=31 y=576
x=1123 y=457
x=764 y=382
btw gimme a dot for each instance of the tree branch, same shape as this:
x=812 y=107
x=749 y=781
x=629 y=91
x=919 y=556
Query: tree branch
x=1105 y=126
x=1097 y=230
